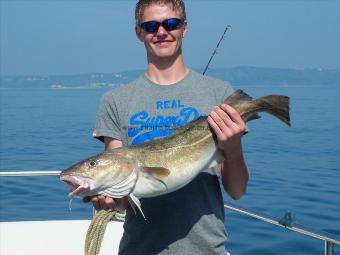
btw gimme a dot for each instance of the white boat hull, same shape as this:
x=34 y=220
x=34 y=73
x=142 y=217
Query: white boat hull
x=65 y=237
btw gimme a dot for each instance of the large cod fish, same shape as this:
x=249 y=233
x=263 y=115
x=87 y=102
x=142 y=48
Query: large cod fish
x=163 y=165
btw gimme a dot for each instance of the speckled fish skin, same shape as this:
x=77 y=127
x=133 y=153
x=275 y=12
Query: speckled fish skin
x=165 y=165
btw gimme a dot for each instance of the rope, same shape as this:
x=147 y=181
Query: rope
x=96 y=231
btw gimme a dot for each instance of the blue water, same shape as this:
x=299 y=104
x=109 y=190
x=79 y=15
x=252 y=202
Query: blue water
x=293 y=169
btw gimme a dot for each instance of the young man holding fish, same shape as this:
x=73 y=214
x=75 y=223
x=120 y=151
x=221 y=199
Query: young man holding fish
x=169 y=95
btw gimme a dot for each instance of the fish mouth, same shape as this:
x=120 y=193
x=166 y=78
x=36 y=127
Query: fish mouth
x=79 y=186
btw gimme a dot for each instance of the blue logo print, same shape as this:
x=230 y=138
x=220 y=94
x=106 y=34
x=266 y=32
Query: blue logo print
x=144 y=127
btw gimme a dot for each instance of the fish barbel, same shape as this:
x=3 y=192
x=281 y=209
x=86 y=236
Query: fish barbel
x=163 y=165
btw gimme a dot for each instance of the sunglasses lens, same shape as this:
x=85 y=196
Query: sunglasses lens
x=172 y=24
x=169 y=25
x=151 y=26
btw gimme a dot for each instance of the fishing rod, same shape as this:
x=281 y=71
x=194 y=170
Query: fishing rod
x=215 y=50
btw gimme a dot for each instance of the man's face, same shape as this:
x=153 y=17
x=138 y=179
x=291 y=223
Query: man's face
x=161 y=45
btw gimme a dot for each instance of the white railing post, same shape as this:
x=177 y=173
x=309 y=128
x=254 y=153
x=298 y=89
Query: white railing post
x=329 y=248
x=329 y=241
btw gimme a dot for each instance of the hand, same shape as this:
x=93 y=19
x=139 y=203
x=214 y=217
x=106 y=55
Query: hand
x=101 y=202
x=228 y=126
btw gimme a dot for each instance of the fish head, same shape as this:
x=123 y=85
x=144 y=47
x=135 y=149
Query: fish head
x=111 y=173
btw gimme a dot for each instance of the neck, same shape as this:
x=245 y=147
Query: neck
x=166 y=71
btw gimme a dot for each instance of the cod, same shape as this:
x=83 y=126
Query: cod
x=164 y=165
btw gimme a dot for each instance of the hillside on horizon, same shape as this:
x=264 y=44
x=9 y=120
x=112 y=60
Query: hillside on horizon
x=244 y=75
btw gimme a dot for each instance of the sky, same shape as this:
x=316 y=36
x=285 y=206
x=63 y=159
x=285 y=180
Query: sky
x=75 y=37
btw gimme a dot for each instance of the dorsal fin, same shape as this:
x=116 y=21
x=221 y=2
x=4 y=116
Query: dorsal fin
x=237 y=96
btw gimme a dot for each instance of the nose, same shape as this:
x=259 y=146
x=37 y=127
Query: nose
x=161 y=31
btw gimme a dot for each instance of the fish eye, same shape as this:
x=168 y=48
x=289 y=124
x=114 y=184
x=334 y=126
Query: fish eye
x=92 y=163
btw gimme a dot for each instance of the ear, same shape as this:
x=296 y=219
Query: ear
x=184 y=29
x=138 y=31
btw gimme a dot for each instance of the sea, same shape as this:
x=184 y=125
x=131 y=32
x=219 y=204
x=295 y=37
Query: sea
x=294 y=170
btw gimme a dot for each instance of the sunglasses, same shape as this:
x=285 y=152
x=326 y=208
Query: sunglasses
x=168 y=24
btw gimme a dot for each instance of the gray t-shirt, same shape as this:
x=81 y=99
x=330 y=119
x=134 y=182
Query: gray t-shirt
x=187 y=221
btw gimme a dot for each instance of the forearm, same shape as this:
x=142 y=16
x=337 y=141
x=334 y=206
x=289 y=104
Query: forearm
x=111 y=143
x=235 y=174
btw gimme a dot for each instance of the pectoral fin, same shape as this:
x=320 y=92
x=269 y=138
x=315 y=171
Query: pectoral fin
x=134 y=202
x=157 y=173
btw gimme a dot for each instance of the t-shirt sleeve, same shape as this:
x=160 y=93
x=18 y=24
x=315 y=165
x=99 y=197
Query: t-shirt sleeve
x=107 y=119
x=227 y=91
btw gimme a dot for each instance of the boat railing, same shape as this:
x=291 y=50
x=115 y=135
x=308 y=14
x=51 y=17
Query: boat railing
x=329 y=242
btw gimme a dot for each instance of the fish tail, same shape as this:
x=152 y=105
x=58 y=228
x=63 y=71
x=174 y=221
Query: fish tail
x=275 y=105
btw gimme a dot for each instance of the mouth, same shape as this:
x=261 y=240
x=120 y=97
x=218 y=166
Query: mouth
x=163 y=42
x=79 y=186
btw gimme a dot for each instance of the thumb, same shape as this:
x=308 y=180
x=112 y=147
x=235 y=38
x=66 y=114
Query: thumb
x=87 y=199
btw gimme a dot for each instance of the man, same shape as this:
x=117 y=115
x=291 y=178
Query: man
x=168 y=95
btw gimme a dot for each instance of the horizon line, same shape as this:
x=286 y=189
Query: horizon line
x=141 y=70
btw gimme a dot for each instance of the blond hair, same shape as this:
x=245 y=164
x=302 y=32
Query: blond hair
x=177 y=5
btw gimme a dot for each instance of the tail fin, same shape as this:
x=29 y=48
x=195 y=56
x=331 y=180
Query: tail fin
x=275 y=105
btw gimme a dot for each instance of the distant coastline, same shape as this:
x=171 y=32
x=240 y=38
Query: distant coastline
x=236 y=75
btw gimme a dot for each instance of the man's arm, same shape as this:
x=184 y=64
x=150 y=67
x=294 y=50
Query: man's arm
x=229 y=129
x=111 y=143
x=102 y=202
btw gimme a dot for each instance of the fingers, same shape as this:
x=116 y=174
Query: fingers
x=228 y=126
x=106 y=203
x=87 y=199
x=233 y=114
x=101 y=202
x=96 y=203
x=218 y=132
x=223 y=121
x=226 y=122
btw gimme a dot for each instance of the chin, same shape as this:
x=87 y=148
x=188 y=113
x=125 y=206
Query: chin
x=166 y=53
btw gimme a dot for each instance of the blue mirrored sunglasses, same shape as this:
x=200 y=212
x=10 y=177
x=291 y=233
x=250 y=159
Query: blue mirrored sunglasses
x=168 y=24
